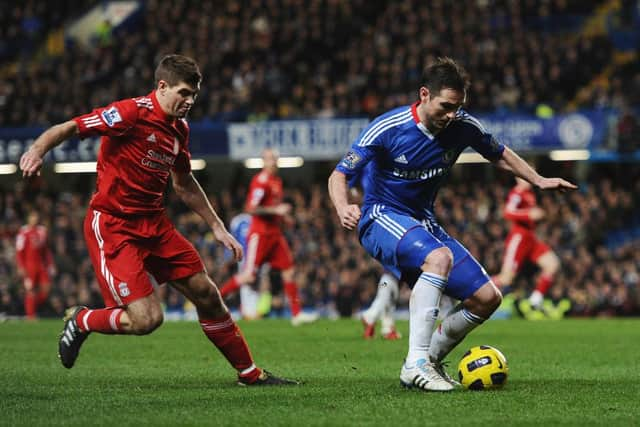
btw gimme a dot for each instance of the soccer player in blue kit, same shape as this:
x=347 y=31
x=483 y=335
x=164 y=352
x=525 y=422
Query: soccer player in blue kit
x=413 y=149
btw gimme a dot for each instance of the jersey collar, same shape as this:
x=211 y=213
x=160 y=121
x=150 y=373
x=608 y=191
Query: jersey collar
x=416 y=120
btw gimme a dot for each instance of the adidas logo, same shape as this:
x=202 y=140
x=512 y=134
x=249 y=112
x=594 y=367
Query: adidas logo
x=401 y=159
x=152 y=137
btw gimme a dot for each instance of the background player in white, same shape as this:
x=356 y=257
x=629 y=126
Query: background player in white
x=412 y=149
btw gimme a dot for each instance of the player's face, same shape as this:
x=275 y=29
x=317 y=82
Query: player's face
x=270 y=160
x=441 y=108
x=33 y=218
x=177 y=100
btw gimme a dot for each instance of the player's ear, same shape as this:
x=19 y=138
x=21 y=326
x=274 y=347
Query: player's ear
x=162 y=86
x=424 y=94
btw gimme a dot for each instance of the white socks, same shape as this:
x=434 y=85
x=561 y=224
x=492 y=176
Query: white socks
x=536 y=298
x=249 y=301
x=385 y=300
x=423 y=312
x=451 y=331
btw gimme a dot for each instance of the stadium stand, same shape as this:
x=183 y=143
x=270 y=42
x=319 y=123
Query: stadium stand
x=279 y=59
x=335 y=274
x=276 y=59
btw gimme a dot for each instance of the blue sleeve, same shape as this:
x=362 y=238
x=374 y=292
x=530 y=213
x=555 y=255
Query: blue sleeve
x=481 y=140
x=353 y=163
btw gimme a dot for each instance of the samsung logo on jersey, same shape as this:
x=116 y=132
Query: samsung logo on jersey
x=419 y=174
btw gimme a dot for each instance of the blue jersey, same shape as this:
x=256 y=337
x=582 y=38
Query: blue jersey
x=408 y=164
x=239 y=228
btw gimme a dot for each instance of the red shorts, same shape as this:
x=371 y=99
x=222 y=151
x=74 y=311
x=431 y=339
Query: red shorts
x=130 y=255
x=267 y=247
x=36 y=276
x=521 y=246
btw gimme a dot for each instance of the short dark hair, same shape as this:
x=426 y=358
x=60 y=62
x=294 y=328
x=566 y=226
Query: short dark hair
x=445 y=73
x=178 y=68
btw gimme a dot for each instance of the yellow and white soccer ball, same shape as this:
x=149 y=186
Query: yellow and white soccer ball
x=483 y=367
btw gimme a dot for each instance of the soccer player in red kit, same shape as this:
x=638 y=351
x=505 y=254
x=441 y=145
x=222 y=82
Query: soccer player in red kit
x=523 y=245
x=131 y=241
x=35 y=263
x=265 y=241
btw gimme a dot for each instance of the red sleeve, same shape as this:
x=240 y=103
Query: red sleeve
x=257 y=191
x=20 y=252
x=512 y=210
x=183 y=159
x=113 y=120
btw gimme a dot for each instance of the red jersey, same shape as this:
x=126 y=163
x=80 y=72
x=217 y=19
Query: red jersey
x=140 y=145
x=519 y=203
x=265 y=190
x=32 y=250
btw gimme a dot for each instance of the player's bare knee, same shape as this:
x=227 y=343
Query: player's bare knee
x=490 y=299
x=485 y=301
x=553 y=266
x=206 y=295
x=287 y=275
x=494 y=300
x=147 y=323
x=439 y=261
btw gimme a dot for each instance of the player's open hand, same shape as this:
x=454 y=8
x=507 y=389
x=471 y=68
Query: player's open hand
x=230 y=242
x=556 y=184
x=349 y=216
x=30 y=163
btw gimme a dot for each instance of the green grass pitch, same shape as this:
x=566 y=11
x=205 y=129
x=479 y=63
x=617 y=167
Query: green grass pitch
x=573 y=372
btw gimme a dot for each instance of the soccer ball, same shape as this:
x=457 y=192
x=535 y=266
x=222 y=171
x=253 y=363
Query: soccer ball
x=483 y=367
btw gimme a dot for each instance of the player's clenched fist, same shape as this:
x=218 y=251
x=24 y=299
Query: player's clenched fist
x=349 y=216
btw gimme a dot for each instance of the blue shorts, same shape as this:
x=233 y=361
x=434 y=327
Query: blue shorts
x=401 y=243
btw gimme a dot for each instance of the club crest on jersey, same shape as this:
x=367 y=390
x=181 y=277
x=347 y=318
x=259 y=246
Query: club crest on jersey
x=124 y=289
x=351 y=160
x=111 y=116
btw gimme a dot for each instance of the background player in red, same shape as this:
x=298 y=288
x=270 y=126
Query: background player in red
x=35 y=263
x=132 y=243
x=266 y=242
x=523 y=245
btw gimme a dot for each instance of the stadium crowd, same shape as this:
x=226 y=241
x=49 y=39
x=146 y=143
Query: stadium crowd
x=278 y=59
x=321 y=58
x=599 y=275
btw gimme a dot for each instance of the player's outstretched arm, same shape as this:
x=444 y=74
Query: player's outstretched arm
x=518 y=166
x=349 y=214
x=31 y=161
x=189 y=190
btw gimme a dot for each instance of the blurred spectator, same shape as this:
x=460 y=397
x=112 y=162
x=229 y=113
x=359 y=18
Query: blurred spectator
x=628 y=132
x=318 y=58
x=335 y=276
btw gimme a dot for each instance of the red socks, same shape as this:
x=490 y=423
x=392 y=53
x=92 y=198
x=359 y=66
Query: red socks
x=104 y=320
x=227 y=337
x=291 y=289
x=544 y=283
x=42 y=298
x=30 y=305
x=229 y=287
